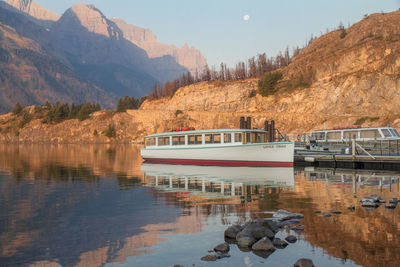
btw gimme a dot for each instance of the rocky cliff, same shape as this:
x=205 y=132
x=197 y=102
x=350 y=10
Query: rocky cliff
x=41 y=15
x=186 y=56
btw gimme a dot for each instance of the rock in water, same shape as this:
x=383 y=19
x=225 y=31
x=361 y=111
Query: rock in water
x=279 y=243
x=258 y=231
x=304 y=263
x=209 y=258
x=224 y=247
x=291 y=239
x=232 y=231
x=393 y=200
x=245 y=239
x=264 y=244
x=327 y=215
x=284 y=215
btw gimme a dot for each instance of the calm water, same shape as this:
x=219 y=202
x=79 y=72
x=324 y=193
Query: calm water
x=96 y=205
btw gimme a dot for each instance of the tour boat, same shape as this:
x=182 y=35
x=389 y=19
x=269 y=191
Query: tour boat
x=217 y=147
x=347 y=133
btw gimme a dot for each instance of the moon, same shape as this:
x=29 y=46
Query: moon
x=246 y=17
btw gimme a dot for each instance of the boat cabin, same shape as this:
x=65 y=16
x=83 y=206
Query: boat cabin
x=215 y=137
x=342 y=134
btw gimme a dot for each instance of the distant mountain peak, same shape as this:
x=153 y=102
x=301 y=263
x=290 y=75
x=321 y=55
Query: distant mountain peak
x=187 y=56
x=33 y=9
x=91 y=18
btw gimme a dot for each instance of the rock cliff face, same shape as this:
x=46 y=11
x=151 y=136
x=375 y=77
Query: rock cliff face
x=187 y=56
x=33 y=9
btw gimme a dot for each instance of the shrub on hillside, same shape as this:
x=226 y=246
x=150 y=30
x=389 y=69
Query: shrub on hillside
x=110 y=132
x=267 y=84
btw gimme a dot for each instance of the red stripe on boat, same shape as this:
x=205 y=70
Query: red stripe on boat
x=219 y=162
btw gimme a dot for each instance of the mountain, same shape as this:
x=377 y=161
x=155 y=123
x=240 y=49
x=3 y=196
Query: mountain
x=186 y=56
x=37 y=13
x=96 y=48
x=29 y=75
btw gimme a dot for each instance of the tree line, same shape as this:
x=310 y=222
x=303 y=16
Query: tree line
x=254 y=67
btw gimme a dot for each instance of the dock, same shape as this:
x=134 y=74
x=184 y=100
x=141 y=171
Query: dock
x=389 y=163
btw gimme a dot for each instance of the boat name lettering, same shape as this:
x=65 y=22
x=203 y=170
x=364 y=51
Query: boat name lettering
x=268 y=146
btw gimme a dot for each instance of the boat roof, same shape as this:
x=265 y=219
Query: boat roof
x=206 y=131
x=354 y=129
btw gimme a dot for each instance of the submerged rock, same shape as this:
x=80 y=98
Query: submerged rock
x=291 y=239
x=304 y=263
x=283 y=215
x=224 y=247
x=264 y=244
x=212 y=257
x=327 y=215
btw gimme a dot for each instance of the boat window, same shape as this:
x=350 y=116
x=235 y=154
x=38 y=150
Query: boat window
x=178 y=140
x=227 y=138
x=318 y=135
x=386 y=133
x=348 y=135
x=238 y=137
x=181 y=140
x=194 y=139
x=258 y=137
x=394 y=132
x=217 y=138
x=151 y=141
x=163 y=141
x=212 y=138
x=334 y=135
x=248 y=137
x=369 y=134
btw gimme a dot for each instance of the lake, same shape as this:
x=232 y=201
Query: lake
x=97 y=205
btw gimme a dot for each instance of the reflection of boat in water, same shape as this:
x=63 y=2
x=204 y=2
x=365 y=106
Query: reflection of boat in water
x=215 y=180
x=282 y=176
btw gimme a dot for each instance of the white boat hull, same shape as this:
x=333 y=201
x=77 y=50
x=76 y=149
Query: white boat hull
x=278 y=154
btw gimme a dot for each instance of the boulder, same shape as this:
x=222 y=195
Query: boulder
x=232 y=231
x=291 y=239
x=279 y=243
x=258 y=231
x=245 y=239
x=263 y=253
x=304 y=263
x=269 y=223
x=224 y=248
x=264 y=244
x=212 y=257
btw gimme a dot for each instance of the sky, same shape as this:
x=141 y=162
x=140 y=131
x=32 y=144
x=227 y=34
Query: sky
x=230 y=31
